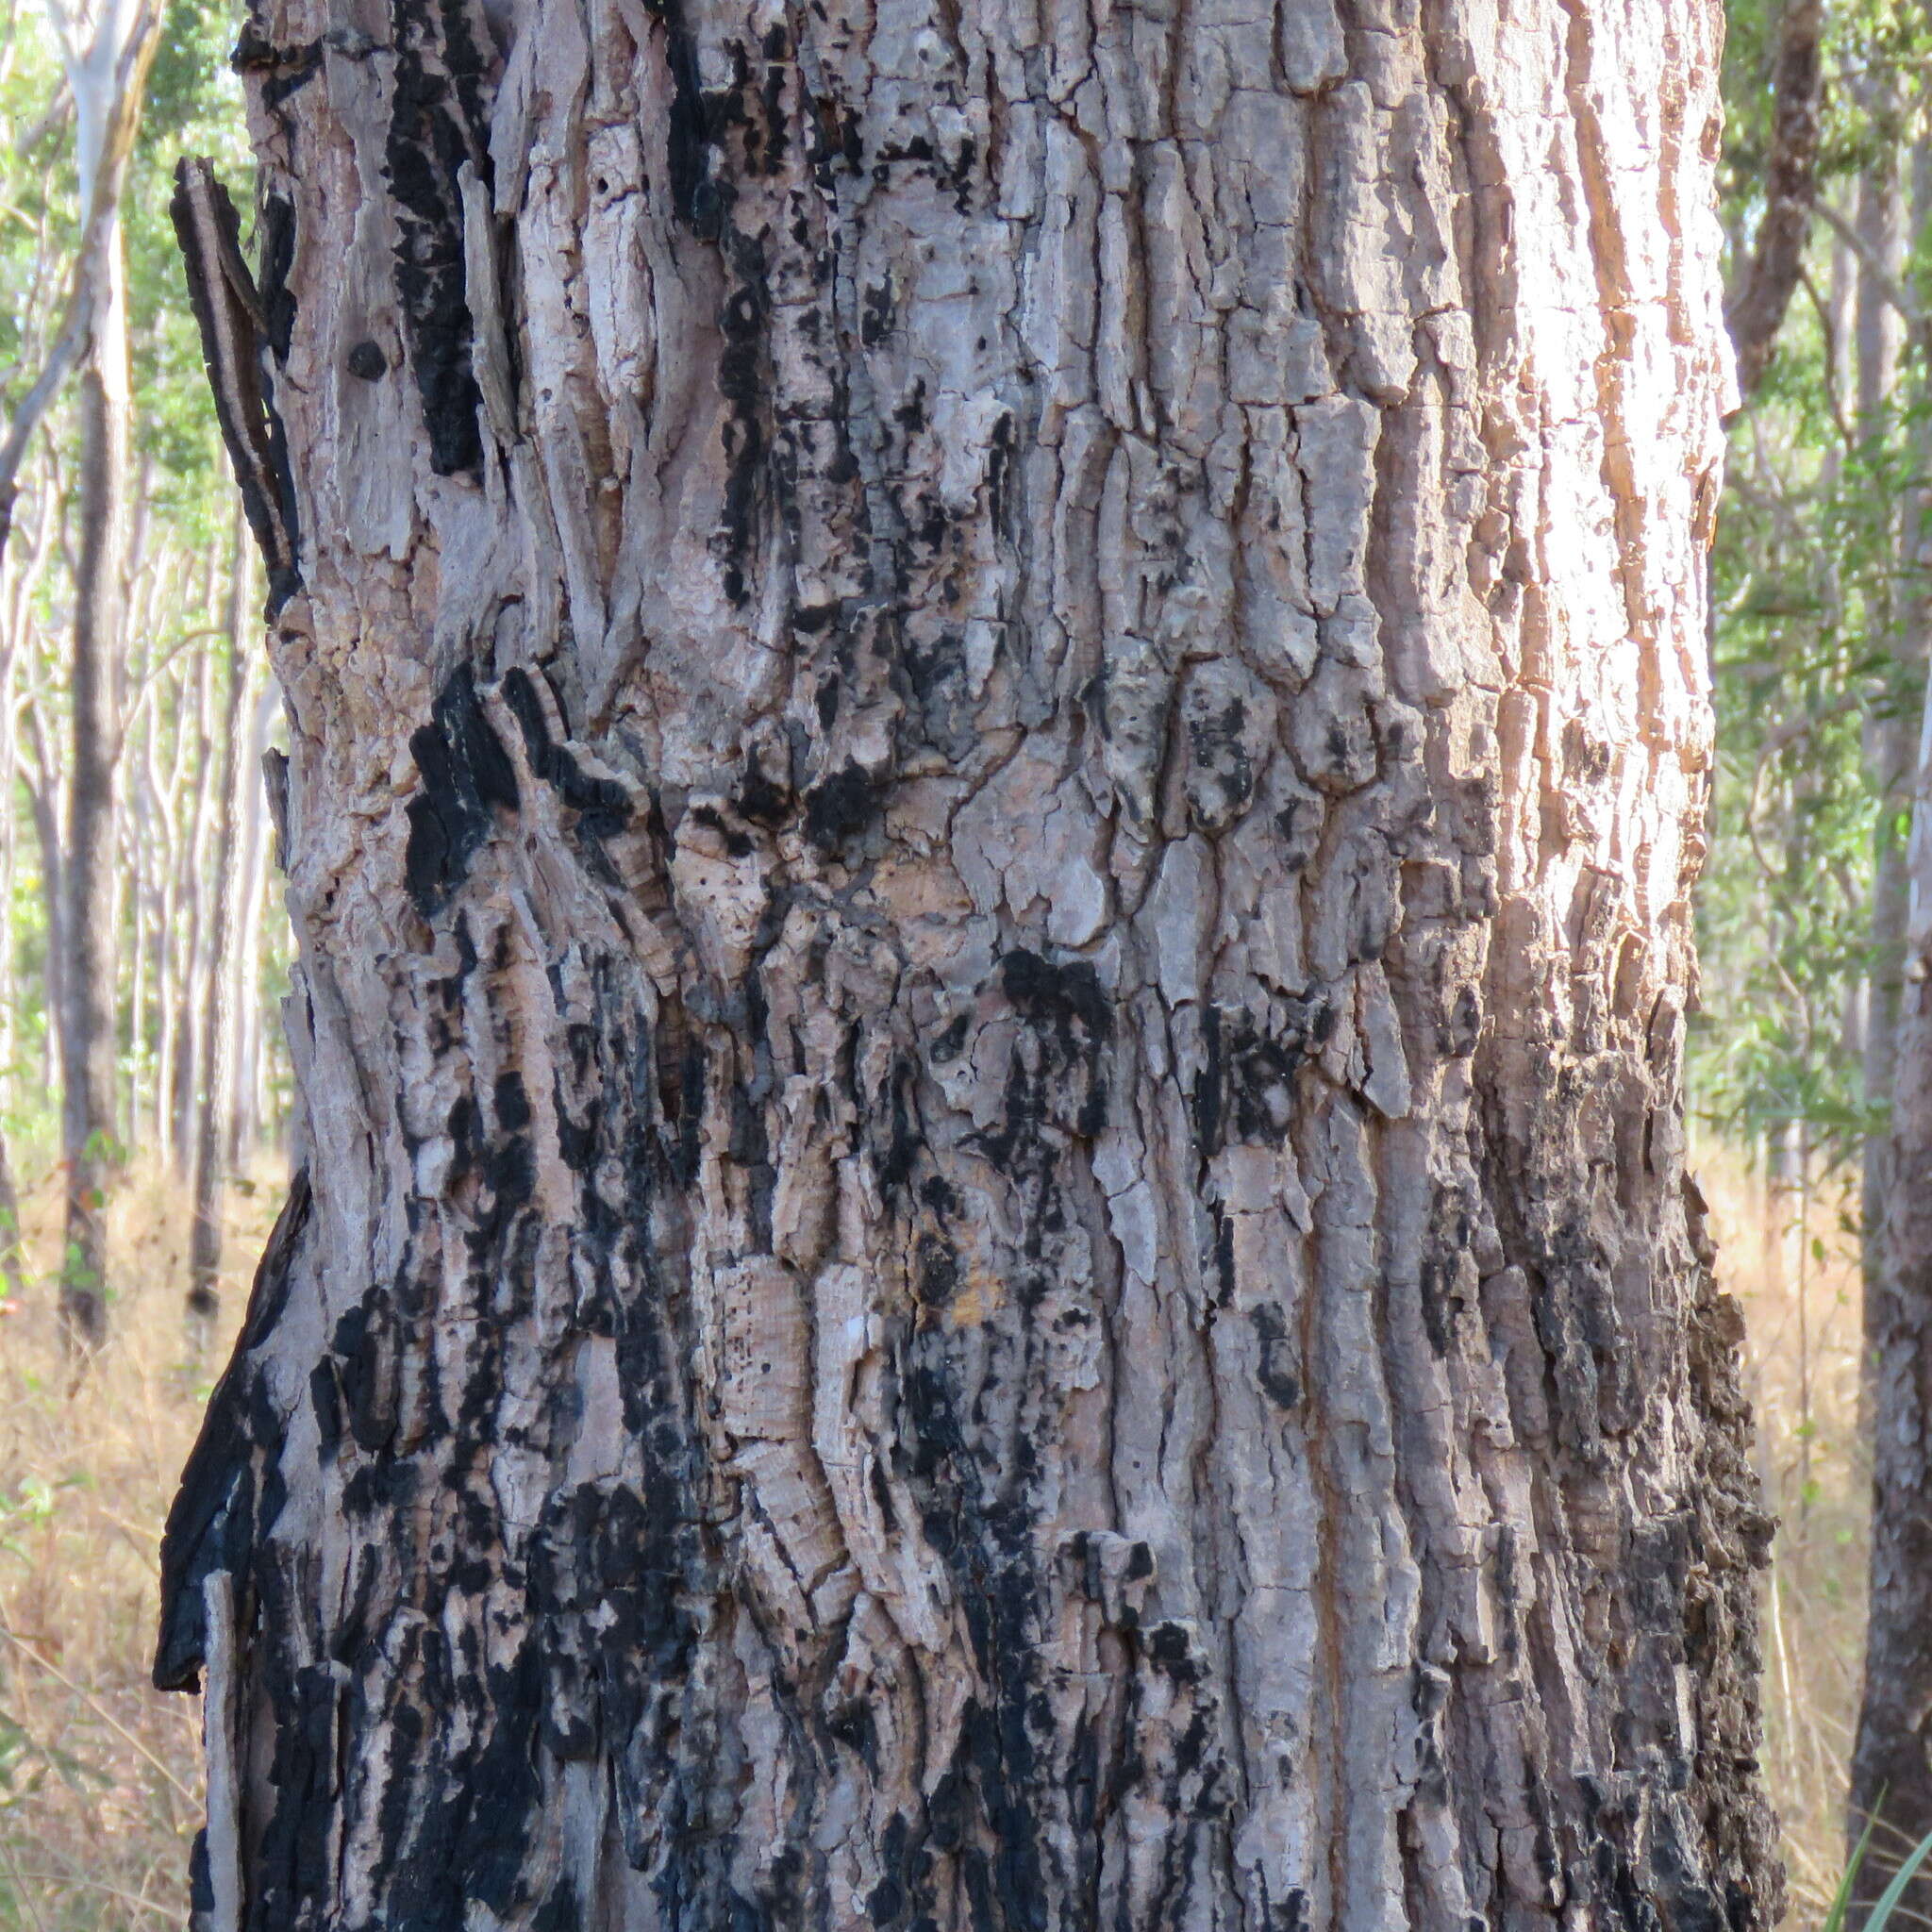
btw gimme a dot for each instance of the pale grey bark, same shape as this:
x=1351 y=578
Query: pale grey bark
x=163 y=789
x=997 y=724
x=107 y=72
x=251 y=1055
x=21 y=564
x=1892 y=1767
x=1891 y=1764
x=1881 y=227
x=198 y=882
x=86 y=931
x=1891 y=730
x=209 y=1125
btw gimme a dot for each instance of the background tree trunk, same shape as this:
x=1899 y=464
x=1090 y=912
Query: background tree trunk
x=249 y=1055
x=197 y=877
x=45 y=787
x=1777 y=261
x=88 y=1140
x=1891 y=1764
x=1891 y=735
x=211 y=1100
x=108 y=79
x=996 y=729
x=1891 y=1760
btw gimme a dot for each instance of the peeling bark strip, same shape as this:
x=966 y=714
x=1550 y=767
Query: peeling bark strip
x=997 y=719
x=228 y=313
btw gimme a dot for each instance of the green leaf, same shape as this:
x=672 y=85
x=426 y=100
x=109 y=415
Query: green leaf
x=1888 y=1899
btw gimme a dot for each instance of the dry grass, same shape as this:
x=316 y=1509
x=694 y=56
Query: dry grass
x=100 y=1776
x=1791 y=1259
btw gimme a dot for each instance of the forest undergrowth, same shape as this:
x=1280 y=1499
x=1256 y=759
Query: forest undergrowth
x=100 y=1774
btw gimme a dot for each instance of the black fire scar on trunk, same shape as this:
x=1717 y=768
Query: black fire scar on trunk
x=466 y=774
x=439 y=120
x=212 y=1523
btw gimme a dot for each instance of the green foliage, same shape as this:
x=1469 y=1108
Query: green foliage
x=1817 y=613
x=194 y=107
x=1811 y=600
x=37 y=213
x=1842 y=1899
x=1889 y=1901
x=193 y=104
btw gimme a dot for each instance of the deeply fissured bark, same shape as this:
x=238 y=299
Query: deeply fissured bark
x=997 y=719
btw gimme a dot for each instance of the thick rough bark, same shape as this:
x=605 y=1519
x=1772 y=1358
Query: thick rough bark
x=997 y=719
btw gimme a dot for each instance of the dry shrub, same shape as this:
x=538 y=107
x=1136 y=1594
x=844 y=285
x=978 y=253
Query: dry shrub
x=100 y=1776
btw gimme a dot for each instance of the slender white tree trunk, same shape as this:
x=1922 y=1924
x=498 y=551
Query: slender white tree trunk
x=21 y=567
x=1891 y=1768
x=161 y=788
x=191 y=891
x=107 y=78
x=87 y=929
x=1890 y=737
x=249 y=1057
x=138 y=845
x=1892 y=1761
x=209 y=1139
x=997 y=729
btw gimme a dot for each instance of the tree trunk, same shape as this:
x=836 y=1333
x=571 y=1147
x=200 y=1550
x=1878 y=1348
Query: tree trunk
x=1777 y=261
x=45 y=789
x=107 y=78
x=12 y=1244
x=155 y=939
x=1892 y=1762
x=88 y=973
x=1889 y=731
x=248 y=1055
x=192 y=985
x=176 y=873
x=212 y=1055
x=146 y=857
x=997 y=726
x=21 y=567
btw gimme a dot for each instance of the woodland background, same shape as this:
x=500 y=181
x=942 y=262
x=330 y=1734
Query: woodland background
x=1823 y=579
